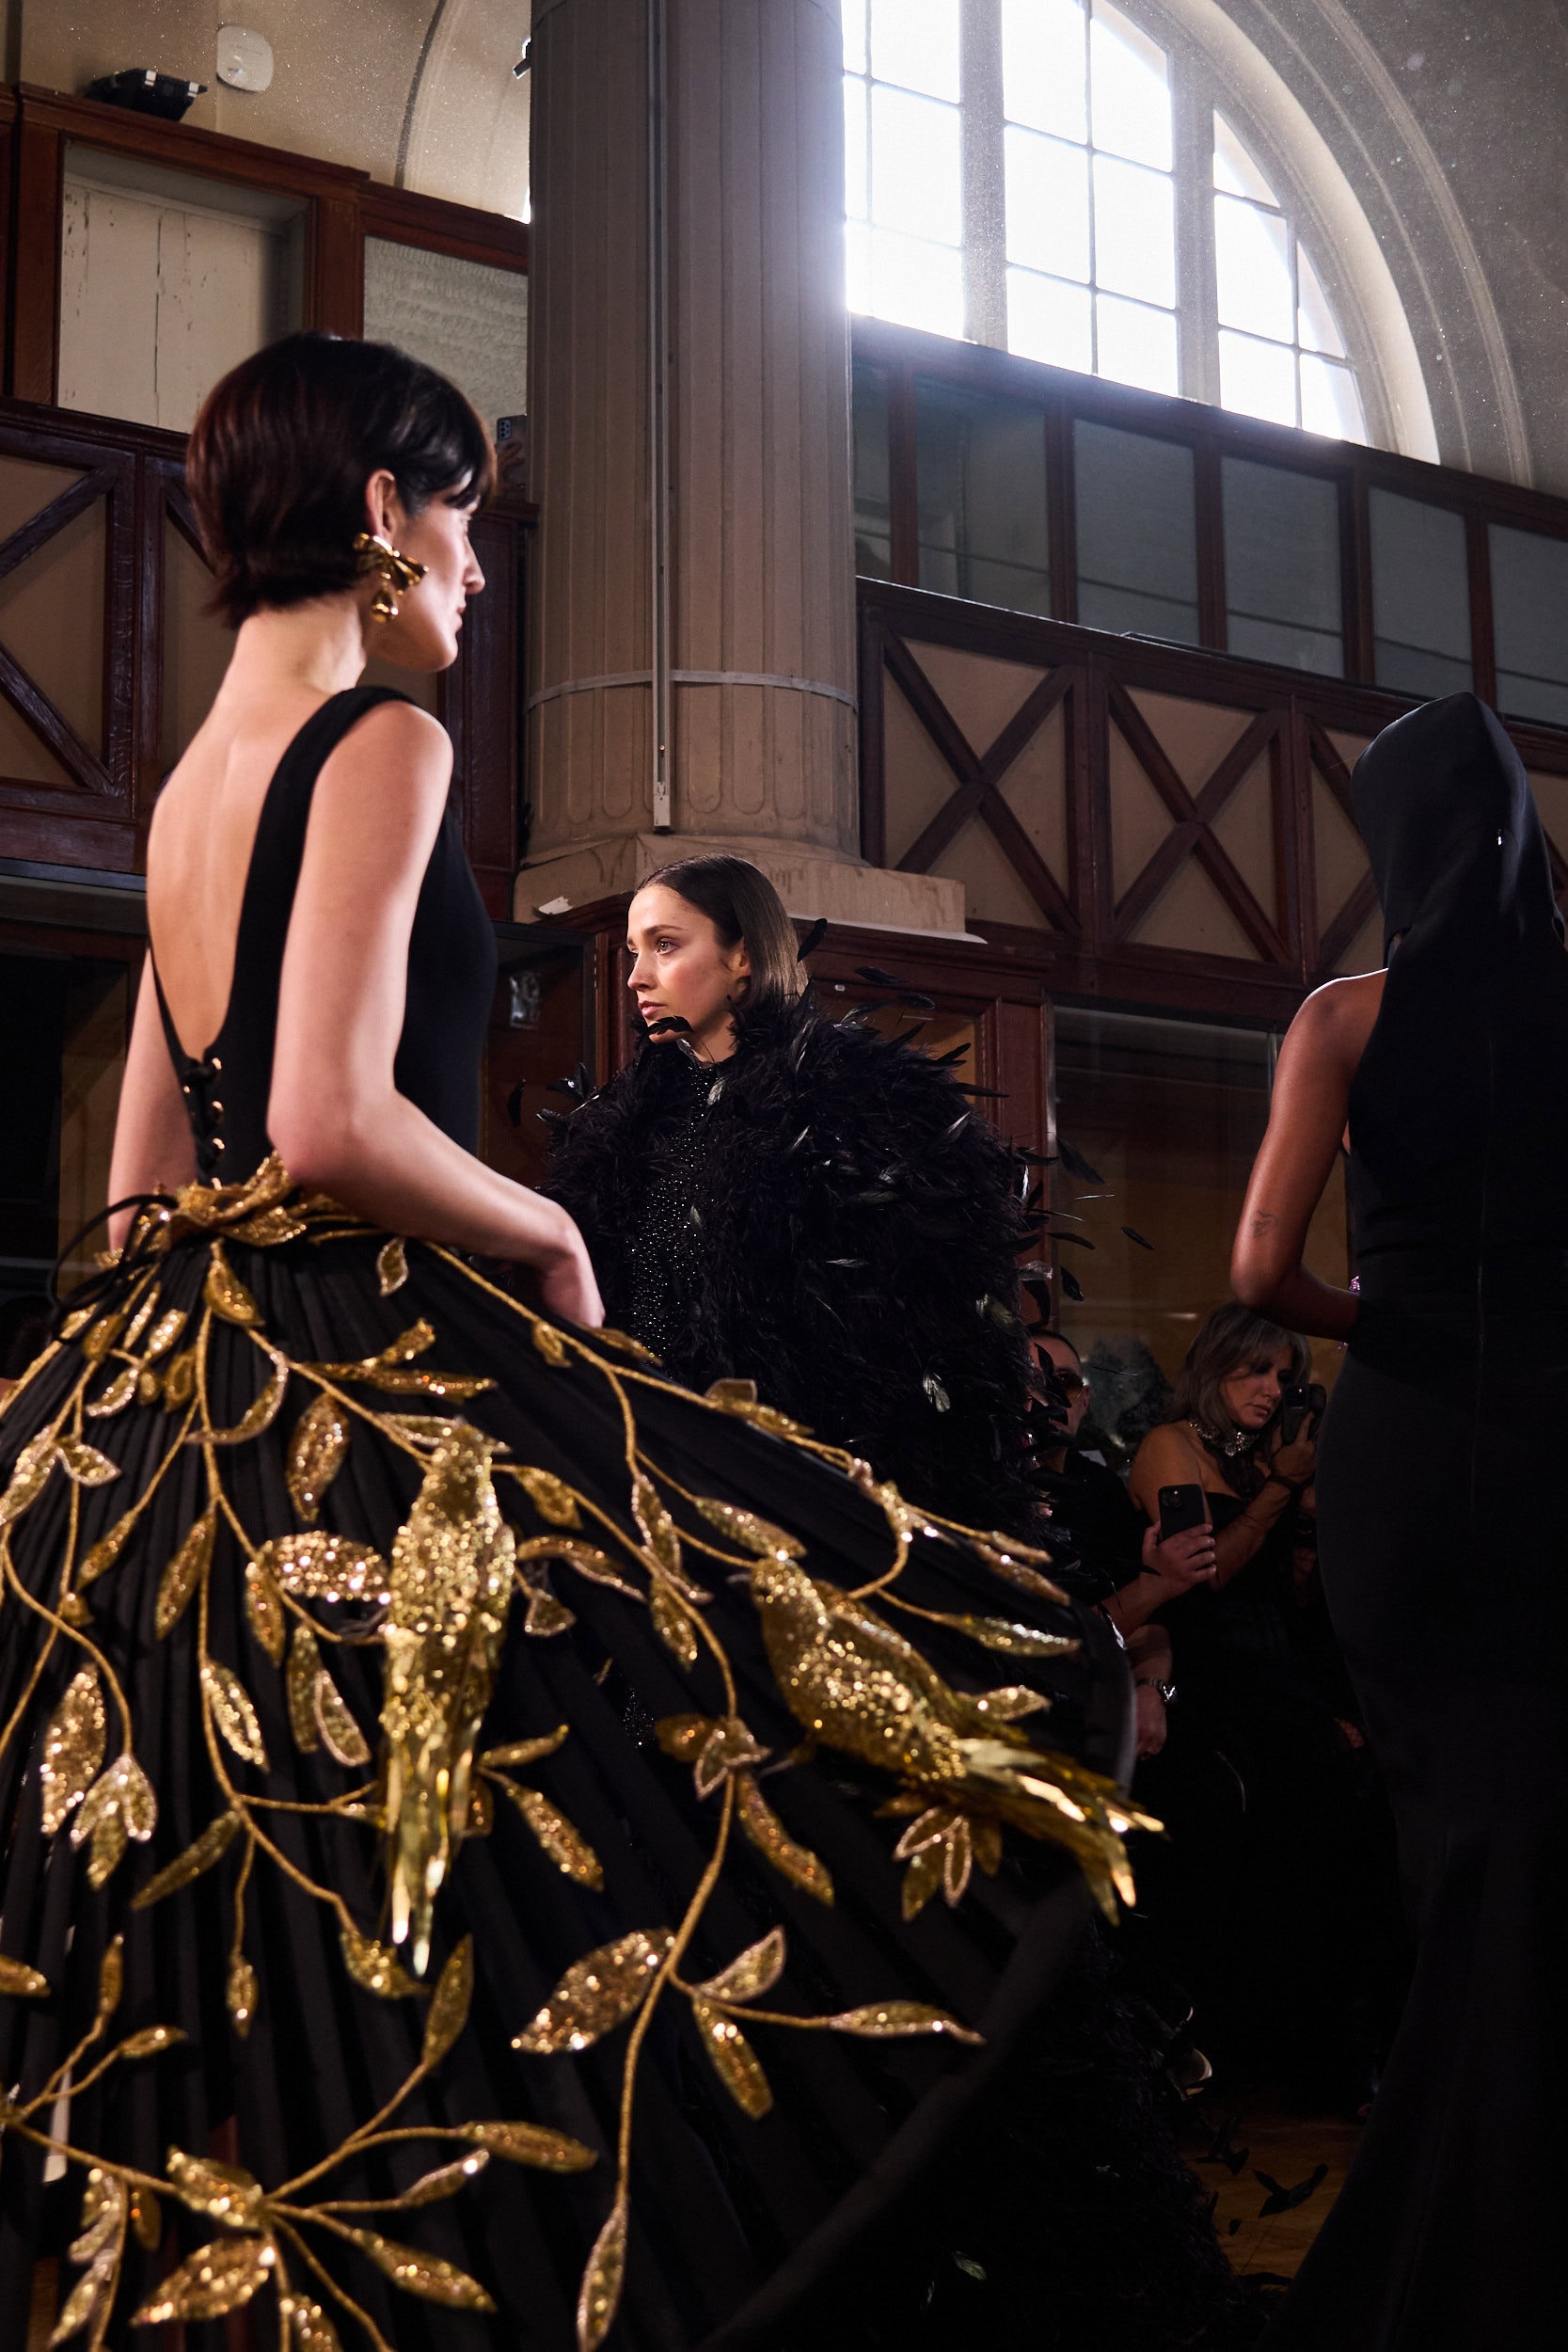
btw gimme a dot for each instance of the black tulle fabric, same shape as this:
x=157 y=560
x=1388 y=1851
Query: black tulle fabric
x=731 y=2218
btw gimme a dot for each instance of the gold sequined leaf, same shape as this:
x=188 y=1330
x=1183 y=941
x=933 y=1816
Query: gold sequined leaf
x=164 y=1334
x=922 y=1880
x=768 y=1833
x=224 y=2192
x=987 y=1835
x=269 y=1229
x=408 y=1380
x=596 y=1993
x=220 y=2278
x=84 y=1464
x=424 y=2275
x=225 y=1294
x=482 y=1811
x=415 y=1342
x=550 y=1496
x=585 y=1557
x=734 y=2060
x=566 y=1846
x=151 y=2042
x=89 y=2300
x=316 y=1454
x=603 y=2278
x=136 y=1801
x=519 y=1752
x=547 y=1339
x=740 y=1397
x=108 y=1845
x=728 y=1747
x=449 y=2008
x=532 y=2144
x=106 y=1551
x=732 y=1394
x=391 y=1265
x=200 y=1854
x=77 y=1321
x=929 y=1829
x=20 y=1982
x=185 y=1572
x=180 y=1379
x=233 y=1713
x=672 y=1623
x=881 y=2021
x=746 y=1529
x=140 y=1319
x=375 y=1967
x=111 y=1979
x=428 y=1430
x=305 y=1665
x=29 y=1477
x=240 y=1995
x=1013 y=1640
x=958 y=1855
x=310 y=2329
x=756 y=1971
x=147 y=2220
x=263 y=1409
x=606 y=1336
x=341 y=1735
x=658 y=1529
x=148 y=1385
x=683 y=1735
x=114 y=1398
x=102 y=1337
x=1008 y=1705
x=545 y=1615
x=72 y=1748
x=320 y=1566
x=264 y=1608
x=432 y=2186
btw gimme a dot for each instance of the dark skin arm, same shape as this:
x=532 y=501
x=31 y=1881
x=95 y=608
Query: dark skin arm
x=1307 y=1123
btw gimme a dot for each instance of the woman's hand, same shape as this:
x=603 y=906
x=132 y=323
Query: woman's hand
x=1148 y=1719
x=1296 y=1462
x=567 y=1288
x=1179 y=1562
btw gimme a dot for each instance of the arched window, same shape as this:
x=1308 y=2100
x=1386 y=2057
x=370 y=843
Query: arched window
x=1068 y=180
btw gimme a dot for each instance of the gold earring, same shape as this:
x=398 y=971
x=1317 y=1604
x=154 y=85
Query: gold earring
x=396 y=572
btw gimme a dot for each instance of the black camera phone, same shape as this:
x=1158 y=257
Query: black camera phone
x=1181 y=1507
x=1298 y=1407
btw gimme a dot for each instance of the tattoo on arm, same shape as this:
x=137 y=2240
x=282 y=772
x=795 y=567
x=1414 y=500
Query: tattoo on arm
x=1263 y=1221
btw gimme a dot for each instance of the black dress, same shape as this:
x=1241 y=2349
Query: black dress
x=1440 y=1520
x=351 y=1607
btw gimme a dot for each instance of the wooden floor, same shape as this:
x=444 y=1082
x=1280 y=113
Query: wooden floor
x=1304 y=2157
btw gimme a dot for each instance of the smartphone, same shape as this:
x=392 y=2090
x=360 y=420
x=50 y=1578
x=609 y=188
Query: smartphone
x=1298 y=1407
x=1181 y=1507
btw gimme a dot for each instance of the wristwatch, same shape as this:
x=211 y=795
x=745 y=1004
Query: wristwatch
x=1166 y=1689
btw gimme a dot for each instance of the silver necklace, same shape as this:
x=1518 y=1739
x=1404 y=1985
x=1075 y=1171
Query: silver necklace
x=1239 y=1441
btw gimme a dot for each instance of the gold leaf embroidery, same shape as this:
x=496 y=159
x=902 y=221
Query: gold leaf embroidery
x=734 y=2060
x=588 y=1561
x=792 y=1861
x=391 y=1265
x=566 y=1846
x=240 y=1995
x=220 y=2278
x=145 y=2219
x=432 y=2186
x=29 y=1477
x=987 y=1836
x=1013 y=1640
x=1008 y=1705
x=267 y=1230
x=740 y=1397
x=672 y=1623
x=20 y=1982
x=747 y=1529
x=142 y=1317
x=102 y=1337
x=886 y=2020
x=922 y=1879
x=263 y=1409
x=72 y=1748
x=114 y=1398
x=84 y=1464
x=233 y=1713
x=596 y=1993
x=76 y=1322
x=108 y=1845
x=482 y=1811
x=305 y=1665
x=682 y=1736
x=311 y=2330
x=547 y=1339
x=106 y=1551
x=429 y=1430
x=658 y=1529
x=756 y=1971
x=534 y=2144
x=225 y=1294
x=264 y=1608
x=119 y=1804
x=180 y=1379
x=599 y=2296
x=550 y=1496
x=375 y=1967
x=224 y=2192
x=424 y=2275
x=449 y=2007
x=164 y=1334
x=320 y=1566
x=214 y=1842
x=608 y=1337
x=148 y=1385
x=316 y=1454
x=520 y=1751
x=185 y=1571
x=545 y=1615
x=728 y=1747
x=1000 y=1556
x=341 y=1735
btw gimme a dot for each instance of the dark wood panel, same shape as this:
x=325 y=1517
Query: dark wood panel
x=33 y=337
x=442 y=227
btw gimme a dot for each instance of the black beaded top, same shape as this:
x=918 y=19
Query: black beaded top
x=666 y=1241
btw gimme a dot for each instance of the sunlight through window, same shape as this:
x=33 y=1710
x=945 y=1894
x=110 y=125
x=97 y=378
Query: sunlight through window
x=1282 y=354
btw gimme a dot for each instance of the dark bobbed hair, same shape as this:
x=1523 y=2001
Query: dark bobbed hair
x=284 y=445
x=742 y=904
x=1232 y=1339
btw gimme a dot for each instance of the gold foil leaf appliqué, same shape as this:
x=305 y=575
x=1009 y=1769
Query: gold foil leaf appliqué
x=225 y=1294
x=164 y=1334
x=450 y=2005
x=265 y=1406
x=234 y=1712
x=532 y=2144
x=547 y=1339
x=746 y=1529
x=240 y=1995
x=672 y=1623
x=391 y=1265
x=114 y=1398
x=310 y=2328
x=185 y=1572
x=756 y=1971
x=214 y=1842
x=566 y=1844
x=734 y=2060
x=424 y=2275
x=29 y=1476
x=119 y=1806
x=86 y=1463
x=341 y=1735
x=550 y=1496
x=316 y=1454
x=596 y=1993
x=106 y=1551
x=885 y=2021
x=264 y=1608
x=375 y=1967
x=517 y=1753
x=658 y=1529
x=20 y=1982
x=320 y=1566
x=219 y=2277
x=768 y=1833
x=599 y=2296
x=305 y=1665
x=72 y=1748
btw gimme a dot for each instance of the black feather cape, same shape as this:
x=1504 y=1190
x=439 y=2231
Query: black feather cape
x=859 y=1226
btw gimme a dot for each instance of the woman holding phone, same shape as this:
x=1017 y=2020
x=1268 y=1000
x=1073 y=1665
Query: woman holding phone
x=1441 y=1521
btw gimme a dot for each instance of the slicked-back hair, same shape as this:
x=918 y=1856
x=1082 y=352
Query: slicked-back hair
x=742 y=904
x=1233 y=1339
x=284 y=445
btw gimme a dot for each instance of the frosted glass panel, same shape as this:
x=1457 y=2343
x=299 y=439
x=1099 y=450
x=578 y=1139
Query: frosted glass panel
x=1330 y=403
x=1235 y=173
x=916 y=43
x=1045 y=66
x=915 y=182
x=1048 y=205
x=1252 y=257
x=1529 y=612
x=1051 y=321
x=873 y=541
x=1420 y=597
x=982 y=496
x=1130 y=91
x=1317 y=328
x=1137 y=543
x=1257 y=379
x=1282 y=566
x=1136 y=345
x=465 y=318
x=1135 y=231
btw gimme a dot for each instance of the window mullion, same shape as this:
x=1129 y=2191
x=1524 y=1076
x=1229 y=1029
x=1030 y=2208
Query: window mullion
x=985 y=208
x=1197 y=282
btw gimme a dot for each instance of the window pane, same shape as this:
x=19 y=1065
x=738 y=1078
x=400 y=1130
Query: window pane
x=1048 y=205
x=1316 y=327
x=982 y=496
x=1252 y=255
x=916 y=284
x=1045 y=66
x=1329 y=400
x=873 y=540
x=1135 y=231
x=1282 y=566
x=1050 y=320
x=1420 y=597
x=915 y=182
x=1137 y=541
x=1235 y=172
x=857 y=264
x=1130 y=89
x=854 y=148
x=1135 y=345
x=916 y=43
x=854 y=35
x=1257 y=379
x=1529 y=612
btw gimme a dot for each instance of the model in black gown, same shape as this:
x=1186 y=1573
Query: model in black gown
x=1440 y=1520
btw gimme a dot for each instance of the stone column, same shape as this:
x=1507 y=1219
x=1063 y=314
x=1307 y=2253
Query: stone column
x=761 y=550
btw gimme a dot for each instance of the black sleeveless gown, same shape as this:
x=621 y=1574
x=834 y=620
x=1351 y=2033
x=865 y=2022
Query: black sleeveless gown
x=477 y=1826
x=1441 y=1533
